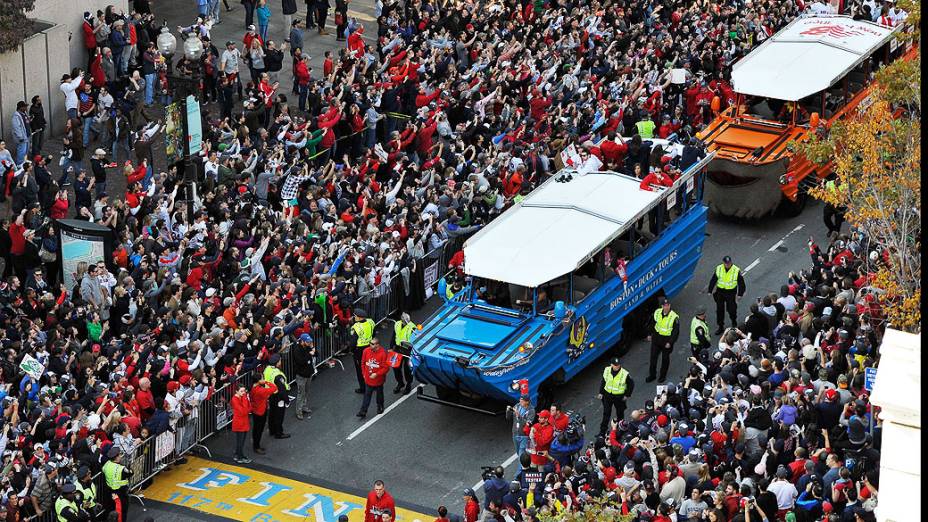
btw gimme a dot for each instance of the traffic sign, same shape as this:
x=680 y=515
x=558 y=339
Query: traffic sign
x=869 y=378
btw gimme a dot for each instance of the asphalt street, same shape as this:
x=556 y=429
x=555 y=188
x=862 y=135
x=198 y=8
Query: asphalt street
x=426 y=453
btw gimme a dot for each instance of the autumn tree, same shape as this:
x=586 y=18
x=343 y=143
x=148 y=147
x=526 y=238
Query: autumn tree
x=14 y=26
x=877 y=178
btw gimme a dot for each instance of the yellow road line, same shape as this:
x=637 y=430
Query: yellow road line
x=240 y=493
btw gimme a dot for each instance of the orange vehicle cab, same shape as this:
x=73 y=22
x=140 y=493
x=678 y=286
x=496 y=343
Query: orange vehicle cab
x=801 y=80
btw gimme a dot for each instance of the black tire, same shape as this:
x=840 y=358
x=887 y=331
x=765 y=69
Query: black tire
x=545 y=397
x=447 y=394
x=790 y=208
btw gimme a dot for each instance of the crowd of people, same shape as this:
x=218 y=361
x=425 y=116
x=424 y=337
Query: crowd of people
x=772 y=422
x=314 y=191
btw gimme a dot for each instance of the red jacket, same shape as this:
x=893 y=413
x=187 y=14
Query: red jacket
x=241 y=409
x=146 y=402
x=377 y=507
x=17 y=239
x=90 y=39
x=374 y=362
x=542 y=435
x=652 y=179
x=59 y=209
x=613 y=152
x=96 y=72
x=301 y=71
x=259 y=396
x=471 y=511
x=355 y=43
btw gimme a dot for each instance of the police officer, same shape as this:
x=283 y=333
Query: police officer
x=363 y=331
x=614 y=387
x=666 y=331
x=726 y=286
x=277 y=403
x=117 y=481
x=66 y=508
x=87 y=492
x=402 y=371
x=699 y=332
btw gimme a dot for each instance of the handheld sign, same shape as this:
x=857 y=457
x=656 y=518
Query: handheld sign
x=31 y=366
x=869 y=378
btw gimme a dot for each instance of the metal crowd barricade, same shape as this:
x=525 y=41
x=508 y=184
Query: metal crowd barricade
x=214 y=414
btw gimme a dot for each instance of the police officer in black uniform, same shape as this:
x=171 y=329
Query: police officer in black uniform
x=726 y=286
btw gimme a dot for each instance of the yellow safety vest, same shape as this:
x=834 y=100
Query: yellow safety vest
x=727 y=279
x=365 y=332
x=62 y=503
x=402 y=332
x=112 y=472
x=696 y=323
x=271 y=373
x=645 y=128
x=89 y=494
x=615 y=384
x=664 y=325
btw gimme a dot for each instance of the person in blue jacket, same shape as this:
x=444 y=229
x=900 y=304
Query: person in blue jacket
x=563 y=450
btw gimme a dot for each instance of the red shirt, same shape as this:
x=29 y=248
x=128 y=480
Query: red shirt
x=374 y=362
x=259 y=396
x=560 y=421
x=378 y=506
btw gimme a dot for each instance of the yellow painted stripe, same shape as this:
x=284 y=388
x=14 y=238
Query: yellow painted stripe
x=241 y=493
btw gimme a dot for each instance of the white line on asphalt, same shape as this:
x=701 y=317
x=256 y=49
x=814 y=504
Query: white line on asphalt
x=512 y=458
x=376 y=418
x=752 y=265
x=783 y=239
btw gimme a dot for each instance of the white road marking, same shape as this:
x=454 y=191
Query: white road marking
x=505 y=465
x=376 y=418
x=775 y=246
x=752 y=265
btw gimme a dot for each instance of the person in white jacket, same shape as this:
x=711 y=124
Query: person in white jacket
x=69 y=89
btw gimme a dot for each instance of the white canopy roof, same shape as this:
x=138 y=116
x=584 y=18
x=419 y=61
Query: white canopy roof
x=560 y=226
x=807 y=56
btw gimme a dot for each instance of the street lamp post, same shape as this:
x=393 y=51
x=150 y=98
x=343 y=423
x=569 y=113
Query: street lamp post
x=167 y=45
x=186 y=82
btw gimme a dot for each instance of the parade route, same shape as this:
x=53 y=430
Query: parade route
x=259 y=494
x=442 y=449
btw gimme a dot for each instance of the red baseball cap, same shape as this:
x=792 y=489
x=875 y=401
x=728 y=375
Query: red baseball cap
x=544 y=414
x=831 y=394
